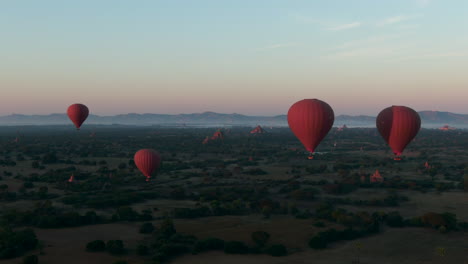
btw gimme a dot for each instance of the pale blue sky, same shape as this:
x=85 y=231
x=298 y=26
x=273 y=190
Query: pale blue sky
x=244 y=56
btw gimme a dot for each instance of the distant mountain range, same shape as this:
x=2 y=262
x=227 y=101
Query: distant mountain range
x=430 y=119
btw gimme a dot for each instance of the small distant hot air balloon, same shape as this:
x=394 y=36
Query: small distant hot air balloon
x=376 y=177
x=147 y=161
x=427 y=166
x=398 y=125
x=217 y=135
x=310 y=120
x=78 y=114
x=257 y=130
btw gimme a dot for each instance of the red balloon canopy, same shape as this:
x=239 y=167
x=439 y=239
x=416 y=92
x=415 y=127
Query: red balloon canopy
x=77 y=114
x=398 y=125
x=310 y=120
x=147 y=161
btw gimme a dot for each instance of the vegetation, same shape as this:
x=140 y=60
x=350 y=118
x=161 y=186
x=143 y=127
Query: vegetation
x=266 y=181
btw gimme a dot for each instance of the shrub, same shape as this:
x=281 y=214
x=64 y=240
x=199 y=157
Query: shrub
x=235 y=247
x=319 y=224
x=394 y=219
x=115 y=247
x=147 y=228
x=318 y=242
x=96 y=246
x=142 y=250
x=278 y=250
x=208 y=244
x=28 y=185
x=260 y=238
x=32 y=259
x=15 y=243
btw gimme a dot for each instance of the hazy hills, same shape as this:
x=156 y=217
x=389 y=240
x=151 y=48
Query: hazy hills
x=429 y=119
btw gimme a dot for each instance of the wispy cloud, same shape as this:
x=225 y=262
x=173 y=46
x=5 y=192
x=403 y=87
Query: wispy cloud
x=369 y=41
x=305 y=19
x=345 y=26
x=280 y=45
x=409 y=26
x=435 y=55
x=397 y=19
x=422 y=3
x=369 y=52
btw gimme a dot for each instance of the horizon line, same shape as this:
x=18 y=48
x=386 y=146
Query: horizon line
x=206 y=112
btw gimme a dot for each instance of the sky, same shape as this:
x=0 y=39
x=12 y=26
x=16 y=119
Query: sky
x=254 y=57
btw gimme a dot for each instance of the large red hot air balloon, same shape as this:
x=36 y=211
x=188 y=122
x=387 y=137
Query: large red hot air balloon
x=77 y=114
x=310 y=120
x=147 y=161
x=398 y=125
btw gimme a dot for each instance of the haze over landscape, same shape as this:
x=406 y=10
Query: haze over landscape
x=430 y=119
x=246 y=57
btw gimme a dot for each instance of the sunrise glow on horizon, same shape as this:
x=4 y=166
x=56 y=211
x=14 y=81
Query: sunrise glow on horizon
x=246 y=57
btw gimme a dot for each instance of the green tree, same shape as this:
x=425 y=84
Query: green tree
x=277 y=250
x=32 y=259
x=260 y=238
x=167 y=229
x=115 y=247
x=96 y=246
x=147 y=228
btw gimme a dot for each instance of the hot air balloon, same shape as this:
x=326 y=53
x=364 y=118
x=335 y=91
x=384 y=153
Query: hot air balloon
x=257 y=130
x=77 y=114
x=147 y=161
x=398 y=125
x=310 y=120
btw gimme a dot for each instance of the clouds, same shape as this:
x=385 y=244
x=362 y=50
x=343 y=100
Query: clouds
x=397 y=19
x=345 y=26
x=422 y=3
x=280 y=45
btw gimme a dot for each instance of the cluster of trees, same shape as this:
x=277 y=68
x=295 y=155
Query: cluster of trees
x=109 y=199
x=127 y=213
x=266 y=207
x=324 y=238
x=7 y=163
x=390 y=200
x=362 y=224
x=45 y=215
x=16 y=243
x=166 y=243
x=444 y=222
x=114 y=247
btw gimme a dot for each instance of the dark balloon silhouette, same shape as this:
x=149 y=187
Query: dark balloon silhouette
x=147 y=161
x=310 y=120
x=78 y=114
x=398 y=125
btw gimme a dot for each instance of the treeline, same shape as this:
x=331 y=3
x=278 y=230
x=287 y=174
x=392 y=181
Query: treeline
x=109 y=199
x=45 y=215
x=390 y=200
x=14 y=243
x=362 y=224
x=166 y=243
